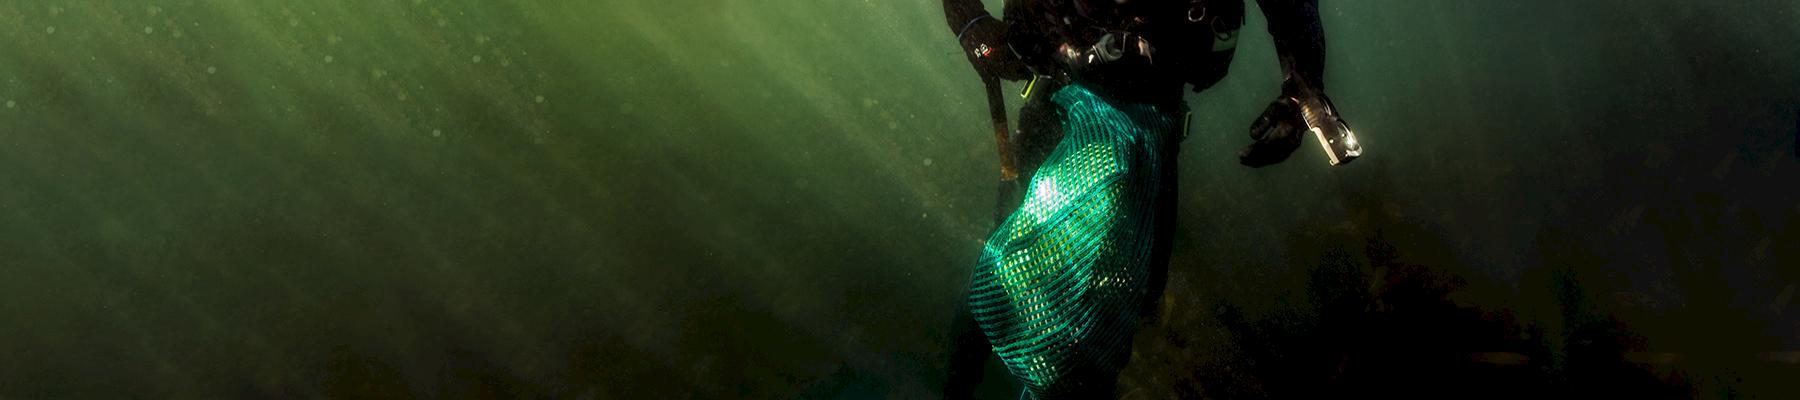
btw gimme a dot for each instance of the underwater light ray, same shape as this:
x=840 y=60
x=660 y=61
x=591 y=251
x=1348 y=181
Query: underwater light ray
x=826 y=101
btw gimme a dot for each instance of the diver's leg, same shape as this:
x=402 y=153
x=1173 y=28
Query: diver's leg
x=969 y=353
x=1163 y=244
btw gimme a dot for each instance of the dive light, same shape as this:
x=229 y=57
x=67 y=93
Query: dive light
x=1334 y=134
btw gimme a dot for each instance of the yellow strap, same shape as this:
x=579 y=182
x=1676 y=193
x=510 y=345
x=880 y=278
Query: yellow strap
x=1026 y=94
x=1187 y=123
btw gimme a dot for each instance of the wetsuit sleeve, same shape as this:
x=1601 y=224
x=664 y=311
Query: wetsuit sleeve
x=1299 y=40
x=958 y=13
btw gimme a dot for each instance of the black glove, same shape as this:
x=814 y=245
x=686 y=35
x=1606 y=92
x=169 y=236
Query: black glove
x=1286 y=122
x=984 y=43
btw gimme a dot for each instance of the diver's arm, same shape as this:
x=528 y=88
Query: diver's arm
x=958 y=13
x=983 y=40
x=1299 y=41
x=1302 y=106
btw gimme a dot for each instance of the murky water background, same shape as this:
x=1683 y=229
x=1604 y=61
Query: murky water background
x=772 y=199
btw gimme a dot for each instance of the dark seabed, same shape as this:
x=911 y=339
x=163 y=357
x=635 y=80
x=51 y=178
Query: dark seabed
x=783 y=199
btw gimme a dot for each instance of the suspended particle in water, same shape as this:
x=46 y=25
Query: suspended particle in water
x=50 y=30
x=437 y=132
x=328 y=59
x=540 y=99
x=149 y=30
x=477 y=59
x=927 y=162
x=11 y=104
x=442 y=22
x=212 y=70
x=176 y=33
x=293 y=22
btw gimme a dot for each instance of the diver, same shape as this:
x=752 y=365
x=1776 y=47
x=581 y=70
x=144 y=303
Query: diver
x=1087 y=191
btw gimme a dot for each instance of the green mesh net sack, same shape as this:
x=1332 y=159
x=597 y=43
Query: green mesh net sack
x=1059 y=283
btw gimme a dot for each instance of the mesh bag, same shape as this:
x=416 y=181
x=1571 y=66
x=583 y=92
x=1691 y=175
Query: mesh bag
x=1058 y=285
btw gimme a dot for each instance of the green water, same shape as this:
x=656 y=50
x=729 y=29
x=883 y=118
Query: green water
x=775 y=199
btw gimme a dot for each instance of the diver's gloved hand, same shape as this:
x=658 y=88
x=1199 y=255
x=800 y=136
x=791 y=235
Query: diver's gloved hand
x=1287 y=121
x=984 y=44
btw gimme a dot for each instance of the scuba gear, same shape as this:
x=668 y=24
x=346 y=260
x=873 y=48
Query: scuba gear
x=1134 y=50
x=1220 y=20
x=1123 y=46
x=1334 y=134
x=1278 y=131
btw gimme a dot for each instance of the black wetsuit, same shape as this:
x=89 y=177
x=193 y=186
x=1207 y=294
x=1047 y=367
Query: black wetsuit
x=1037 y=31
